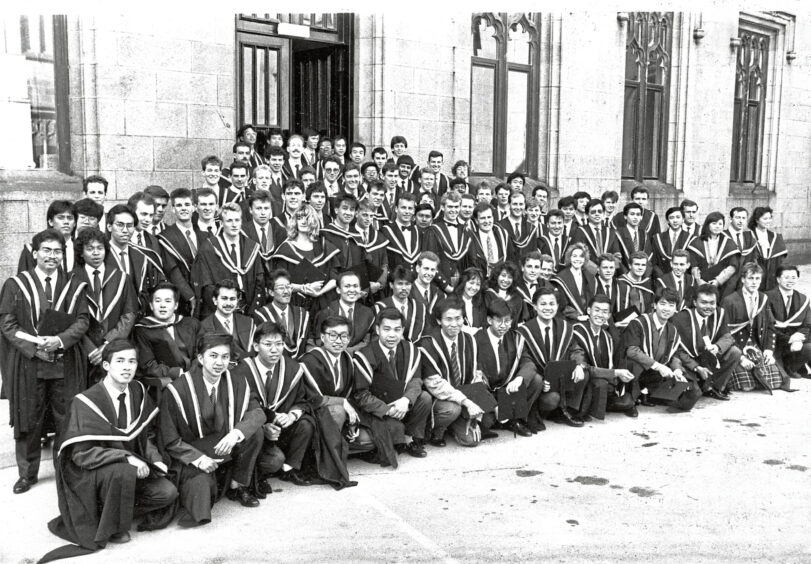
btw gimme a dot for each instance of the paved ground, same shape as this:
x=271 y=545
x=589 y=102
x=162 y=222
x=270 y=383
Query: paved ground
x=730 y=482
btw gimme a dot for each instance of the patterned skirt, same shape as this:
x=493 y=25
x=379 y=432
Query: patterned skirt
x=743 y=379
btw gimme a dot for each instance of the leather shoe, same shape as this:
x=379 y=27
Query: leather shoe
x=585 y=418
x=295 y=477
x=120 y=538
x=415 y=449
x=488 y=434
x=715 y=394
x=437 y=441
x=536 y=426
x=519 y=428
x=243 y=496
x=643 y=400
x=563 y=416
x=632 y=412
x=264 y=487
x=24 y=484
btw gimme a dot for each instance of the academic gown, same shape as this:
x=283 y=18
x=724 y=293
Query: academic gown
x=663 y=249
x=297 y=331
x=162 y=358
x=688 y=289
x=92 y=472
x=214 y=263
x=555 y=247
x=243 y=331
x=348 y=242
x=178 y=258
x=574 y=301
x=605 y=388
x=324 y=256
x=372 y=367
x=503 y=250
x=145 y=270
x=400 y=251
x=21 y=309
x=415 y=317
x=790 y=324
x=521 y=244
x=728 y=255
x=607 y=244
x=770 y=258
x=452 y=251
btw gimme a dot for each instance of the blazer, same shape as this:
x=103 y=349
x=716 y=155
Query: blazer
x=497 y=374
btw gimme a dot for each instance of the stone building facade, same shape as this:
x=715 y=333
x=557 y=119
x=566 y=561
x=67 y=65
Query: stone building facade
x=140 y=100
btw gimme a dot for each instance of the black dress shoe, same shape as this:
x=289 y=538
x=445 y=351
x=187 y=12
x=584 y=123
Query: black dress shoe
x=536 y=427
x=563 y=416
x=120 y=538
x=295 y=477
x=632 y=412
x=415 y=449
x=264 y=487
x=519 y=428
x=488 y=434
x=24 y=484
x=715 y=394
x=437 y=441
x=643 y=400
x=585 y=418
x=243 y=496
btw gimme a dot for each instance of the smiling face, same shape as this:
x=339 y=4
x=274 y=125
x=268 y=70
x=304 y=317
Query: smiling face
x=207 y=207
x=555 y=225
x=504 y=280
x=765 y=221
x=340 y=147
x=145 y=213
x=787 y=280
x=249 y=135
x=547 y=269
x=399 y=149
x=95 y=191
x=276 y=162
x=390 y=332
x=426 y=270
x=163 y=304
x=231 y=223
x=499 y=326
x=716 y=227
x=451 y=323
x=664 y=310
x=706 y=304
x=546 y=306
x=598 y=314
x=121 y=367
x=596 y=215
x=226 y=301
x=679 y=266
x=349 y=289
x=211 y=174
x=638 y=267
x=517 y=206
x=675 y=220
x=472 y=287
x=183 y=209
x=352 y=179
x=578 y=259
x=262 y=178
x=49 y=255
x=292 y=198
x=215 y=361
x=295 y=148
x=451 y=211
x=485 y=220
x=405 y=211
x=466 y=208
x=607 y=270
x=427 y=181
x=484 y=195
x=331 y=171
x=435 y=164
x=281 y=292
x=531 y=270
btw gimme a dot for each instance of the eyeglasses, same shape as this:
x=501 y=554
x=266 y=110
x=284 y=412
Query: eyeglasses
x=270 y=344
x=336 y=336
x=47 y=252
x=330 y=169
x=127 y=226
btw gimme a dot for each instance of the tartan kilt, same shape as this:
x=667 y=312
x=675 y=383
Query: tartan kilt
x=743 y=379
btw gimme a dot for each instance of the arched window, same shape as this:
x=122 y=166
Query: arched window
x=504 y=94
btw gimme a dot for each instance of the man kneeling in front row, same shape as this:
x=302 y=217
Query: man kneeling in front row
x=210 y=423
x=108 y=468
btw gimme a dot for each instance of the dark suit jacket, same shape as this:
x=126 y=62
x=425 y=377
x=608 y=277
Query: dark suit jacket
x=796 y=320
x=244 y=329
x=477 y=253
x=161 y=358
x=362 y=320
x=497 y=376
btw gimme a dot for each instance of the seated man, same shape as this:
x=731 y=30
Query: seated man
x=210 y=426
x=635 y=290
x=792 y=322
x=710 y=348
x=679 y=278
x=751 y=323
x=531 y=280
x=388 y=391
x=109 y=468
x=609 y=386
x=449 y=362
x=401 y=279
x=546 y=339
x=226 y=320
x=111 y=299
x=165 y=340
x=497 y=359
x=294 y=320
x=361 y=318
x=653 y=349
x=329 y=370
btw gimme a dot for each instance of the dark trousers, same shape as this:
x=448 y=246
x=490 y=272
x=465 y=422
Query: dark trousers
x=651 y=379
x=51 y=399
x=198 y=489
x=792 y=362
x=415 y=420
x=720 y=374
x=295 y=441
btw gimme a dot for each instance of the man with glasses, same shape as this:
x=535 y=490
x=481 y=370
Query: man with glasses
x=294 y=320
x=141 y=263
x=360 y=317
x=43 y=317
x=61 y=216
x=332 y=170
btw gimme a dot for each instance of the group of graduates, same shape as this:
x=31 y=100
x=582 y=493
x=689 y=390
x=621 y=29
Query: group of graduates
x=306 y=305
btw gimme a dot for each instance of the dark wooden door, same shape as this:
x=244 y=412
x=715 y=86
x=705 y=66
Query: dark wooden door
x=322 y=98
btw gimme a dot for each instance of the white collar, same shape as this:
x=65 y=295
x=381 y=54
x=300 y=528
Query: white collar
x=114 y=393
x=89 y=269
x=223 y=319
x=448 y=342
x=41 y=275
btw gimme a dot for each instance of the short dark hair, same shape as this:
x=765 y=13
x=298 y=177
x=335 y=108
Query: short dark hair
x=211 y=160
x=366 y=166
x=333 y=321
x=180 y=193
x=240 y=164
x=119 y=209
x=532 y=255
x=379 y=151
x=133 y=200
x=398 y=139
x=405 y=160
x=514 y=175
x=504 y=266
x=446 y=304
x=631 y=206
x=757 y=213
x=60 y=206
x=357 y=145
x=499 y=308
x=544 y=291
x=707 y=289
x=610 y=195
x=482 y=207
x=239 y=144
x=784 y=267
x=156 y=191
x=565 y=202
x=117 y=346
x=672 y=210
x=164 y=286
x=605 y=258
x=226 y=284
x=203 y=192
x=208 y=341
x=97 y=179
x=737 y=209
x=600 y=299
x=434 y=154
x=400 y=272
x=581 y=195
x=293 y=183
x=49 y=234
x=594 y=202
x=268 y=329
x=390 y=313
x=712 y=217
x=276 y=274
x=639 y=189
x=274 y=151
x=342 y=197
x=262 y=196
x=685 y=203
x=88 y=207
x=668 y=295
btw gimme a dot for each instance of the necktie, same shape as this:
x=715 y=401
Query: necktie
x=298 y=167
x=635 y=240
x=227 y=325
x=121 y=422
x=96 y=286
x=673 y=238
x=788 y=304
x=234 y=253
x=752 y=306
x=491 y=259
x=456 y=373
x=349 y=313
x=703 y=326
x=365 y=236
x=192 y=246
x=283 y=321
x=273 y=377
x=49 y=291
x=391 y=359
x=124 y=262
x=518 y=230
x=678 y=287
x=598 y=353
x=403 y=310
x=556 y=249
x=218 y=415
x=502 y=355
x=427 y=297
x=740 y=243
x=547 y=343
x=336 y=366
x=140 y=239
x=598 y=239
x=264 y=241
